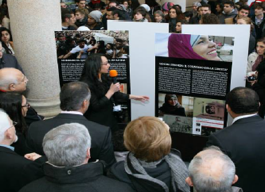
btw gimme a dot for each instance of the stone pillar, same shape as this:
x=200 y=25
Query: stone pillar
x=33 y=24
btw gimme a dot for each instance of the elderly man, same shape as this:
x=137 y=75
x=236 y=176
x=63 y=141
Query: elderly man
x=67 y=148
x=7 y=60
x=212 y=171
x=244 y=141
x=14 y=80
x=16 y=171
x=74 y=98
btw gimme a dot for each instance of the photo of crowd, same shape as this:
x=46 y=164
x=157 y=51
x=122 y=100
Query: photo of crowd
x=80 y=44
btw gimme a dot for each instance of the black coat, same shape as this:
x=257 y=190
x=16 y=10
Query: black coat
x=101 y=146
x=101 y=108
x=10 y=61
x=16 y=171
x=244 y=143
x=85 y=178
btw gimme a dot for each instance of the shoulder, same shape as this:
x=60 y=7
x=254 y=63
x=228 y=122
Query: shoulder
x=40 y=185
x=117 y=171
x=104 y=183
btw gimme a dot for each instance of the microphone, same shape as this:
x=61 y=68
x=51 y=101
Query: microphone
x=113 y=74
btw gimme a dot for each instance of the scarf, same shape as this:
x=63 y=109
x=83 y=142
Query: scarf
x=178 y=169
x=257 y=62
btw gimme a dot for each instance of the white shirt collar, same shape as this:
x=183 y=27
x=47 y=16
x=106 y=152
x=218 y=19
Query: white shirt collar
x=242 y=117
x=72 y=112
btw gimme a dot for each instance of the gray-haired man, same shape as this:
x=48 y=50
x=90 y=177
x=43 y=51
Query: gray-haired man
x=67 y=148
x=212 y=171
x=15 y=170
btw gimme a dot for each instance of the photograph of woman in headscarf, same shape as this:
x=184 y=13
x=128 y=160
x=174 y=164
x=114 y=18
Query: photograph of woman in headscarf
x=199 y=47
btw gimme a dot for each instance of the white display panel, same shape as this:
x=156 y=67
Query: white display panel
x=241 y=34
x=142 y=62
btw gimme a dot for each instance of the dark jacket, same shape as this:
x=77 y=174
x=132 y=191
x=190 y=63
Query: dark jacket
x=101 y=146
x=101 y=108
x=172 y=110
x=85 y=178
x=244 y=143
x=16 y=171
x=160 y=172
x=81 y=23
x=10 y=61
x=259 y=28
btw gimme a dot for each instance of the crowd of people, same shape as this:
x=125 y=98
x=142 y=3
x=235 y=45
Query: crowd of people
x=77 y=150
x=80 y=44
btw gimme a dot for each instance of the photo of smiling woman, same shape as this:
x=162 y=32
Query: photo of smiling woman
x=192 y=47
x=200 y=47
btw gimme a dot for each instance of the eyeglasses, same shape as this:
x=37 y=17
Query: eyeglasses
x=14 y=124
x=24 y=80
x=105 y=64
x=26 y=105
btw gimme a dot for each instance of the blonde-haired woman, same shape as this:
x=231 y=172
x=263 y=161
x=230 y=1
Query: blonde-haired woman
x=151 y=165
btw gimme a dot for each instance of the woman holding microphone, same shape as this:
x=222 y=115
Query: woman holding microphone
x=104 y=93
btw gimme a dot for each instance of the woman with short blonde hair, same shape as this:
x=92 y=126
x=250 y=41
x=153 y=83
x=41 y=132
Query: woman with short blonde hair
x=151 y=165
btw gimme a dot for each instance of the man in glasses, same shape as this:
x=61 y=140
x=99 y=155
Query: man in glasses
x=13 y=80
x=16 y=171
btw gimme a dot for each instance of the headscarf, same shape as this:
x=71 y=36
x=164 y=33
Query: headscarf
x=180 y=46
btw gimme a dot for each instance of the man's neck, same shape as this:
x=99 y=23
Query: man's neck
x=5 y=142
x=92 y=26
x=259 y=16
x=64 y=24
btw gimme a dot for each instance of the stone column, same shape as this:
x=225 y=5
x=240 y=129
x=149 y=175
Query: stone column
x=33 y=23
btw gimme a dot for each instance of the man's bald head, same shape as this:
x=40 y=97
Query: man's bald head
x=12 y=79
x=211 y=169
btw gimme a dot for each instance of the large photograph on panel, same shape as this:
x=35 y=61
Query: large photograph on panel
x=73 y=47
x=193 y=75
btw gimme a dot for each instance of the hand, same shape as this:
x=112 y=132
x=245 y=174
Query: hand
x=81 y=52
x=139 y=98
x=253 y=82
x=32 y=156
x=114 y=87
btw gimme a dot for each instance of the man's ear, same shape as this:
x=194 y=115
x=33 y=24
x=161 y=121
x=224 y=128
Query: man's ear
x=189 y=182
x=9 y=134
x=227 y=107
x=235 y=179
x=88 y=153
x=12 y=87
x=85 y=103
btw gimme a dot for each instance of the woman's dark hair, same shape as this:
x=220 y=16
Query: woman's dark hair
x=180 y=15
x=2 y=29
x=135 y=4
x=91 y=70
x=221 y=5
x=11 y=103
